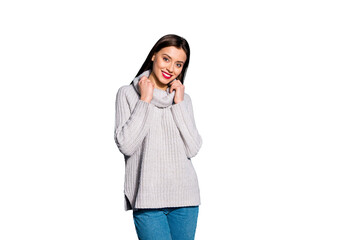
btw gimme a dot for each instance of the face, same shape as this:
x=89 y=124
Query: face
x=168 y=64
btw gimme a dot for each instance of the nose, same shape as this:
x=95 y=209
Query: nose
x=170 y=68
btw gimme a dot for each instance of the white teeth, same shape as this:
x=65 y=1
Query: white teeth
x=168 y=75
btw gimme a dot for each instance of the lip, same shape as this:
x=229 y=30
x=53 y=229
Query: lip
x=165 y=76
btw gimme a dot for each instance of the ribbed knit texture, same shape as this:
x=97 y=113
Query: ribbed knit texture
x=158 y=140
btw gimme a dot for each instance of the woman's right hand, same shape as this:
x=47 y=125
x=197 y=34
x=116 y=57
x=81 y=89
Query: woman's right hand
x=146 y=89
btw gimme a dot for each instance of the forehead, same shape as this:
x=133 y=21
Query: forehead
x=178 y=54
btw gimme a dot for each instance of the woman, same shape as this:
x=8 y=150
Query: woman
x=155 y=130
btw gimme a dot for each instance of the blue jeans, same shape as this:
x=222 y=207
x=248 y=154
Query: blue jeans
x=178 y=223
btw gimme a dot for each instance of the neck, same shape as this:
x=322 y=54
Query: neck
x=158 y=84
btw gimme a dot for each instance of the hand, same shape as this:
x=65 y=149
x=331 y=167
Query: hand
x=146 y=89
x=179 y=90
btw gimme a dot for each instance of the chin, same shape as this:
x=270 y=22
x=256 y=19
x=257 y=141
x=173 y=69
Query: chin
x=164 y=80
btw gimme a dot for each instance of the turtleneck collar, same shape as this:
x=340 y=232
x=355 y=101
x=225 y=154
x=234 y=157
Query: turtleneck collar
x=160 y=98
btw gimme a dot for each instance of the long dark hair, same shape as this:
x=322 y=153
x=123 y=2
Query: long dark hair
x=168 y=41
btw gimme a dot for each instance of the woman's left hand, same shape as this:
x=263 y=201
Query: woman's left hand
x=179 y=90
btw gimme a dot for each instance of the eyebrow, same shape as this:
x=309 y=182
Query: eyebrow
x=171 y=58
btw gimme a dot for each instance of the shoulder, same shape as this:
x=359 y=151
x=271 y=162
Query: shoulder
x=125 y=91
x=187 y=98
x=187 y=103
x=125 y=88
x=127 y=97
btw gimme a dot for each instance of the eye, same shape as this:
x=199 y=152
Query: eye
x=165 y=59
x=179 y=65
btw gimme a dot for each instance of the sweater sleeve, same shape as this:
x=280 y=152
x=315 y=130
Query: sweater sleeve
x=184 y=118
x=131 y=127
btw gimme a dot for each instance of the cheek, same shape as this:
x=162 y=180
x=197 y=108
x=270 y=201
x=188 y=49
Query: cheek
x=159 y=64
x=178 y=71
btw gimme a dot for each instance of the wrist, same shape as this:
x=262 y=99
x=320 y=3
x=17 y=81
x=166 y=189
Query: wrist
x=146 y=99
x=176 y=101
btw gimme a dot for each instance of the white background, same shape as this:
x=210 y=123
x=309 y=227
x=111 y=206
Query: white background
x=275 y=89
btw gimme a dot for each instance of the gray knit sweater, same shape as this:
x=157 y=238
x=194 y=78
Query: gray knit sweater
x=158 y=140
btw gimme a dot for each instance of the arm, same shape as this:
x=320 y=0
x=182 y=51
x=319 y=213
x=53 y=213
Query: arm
x=184 y=118
x=131 y=127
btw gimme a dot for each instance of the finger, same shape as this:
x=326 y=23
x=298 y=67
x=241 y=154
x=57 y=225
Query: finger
x=178 y=81
x=144 y=79
x=171 y=82
x=175 y=84
x=171 y=88
x=174 y=87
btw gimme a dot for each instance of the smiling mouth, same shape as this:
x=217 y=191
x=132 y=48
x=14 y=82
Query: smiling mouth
x=166 y=75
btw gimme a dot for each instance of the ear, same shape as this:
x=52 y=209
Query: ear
x=153 y=58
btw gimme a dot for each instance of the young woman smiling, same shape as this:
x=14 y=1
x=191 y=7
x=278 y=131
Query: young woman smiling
x=156 y=132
